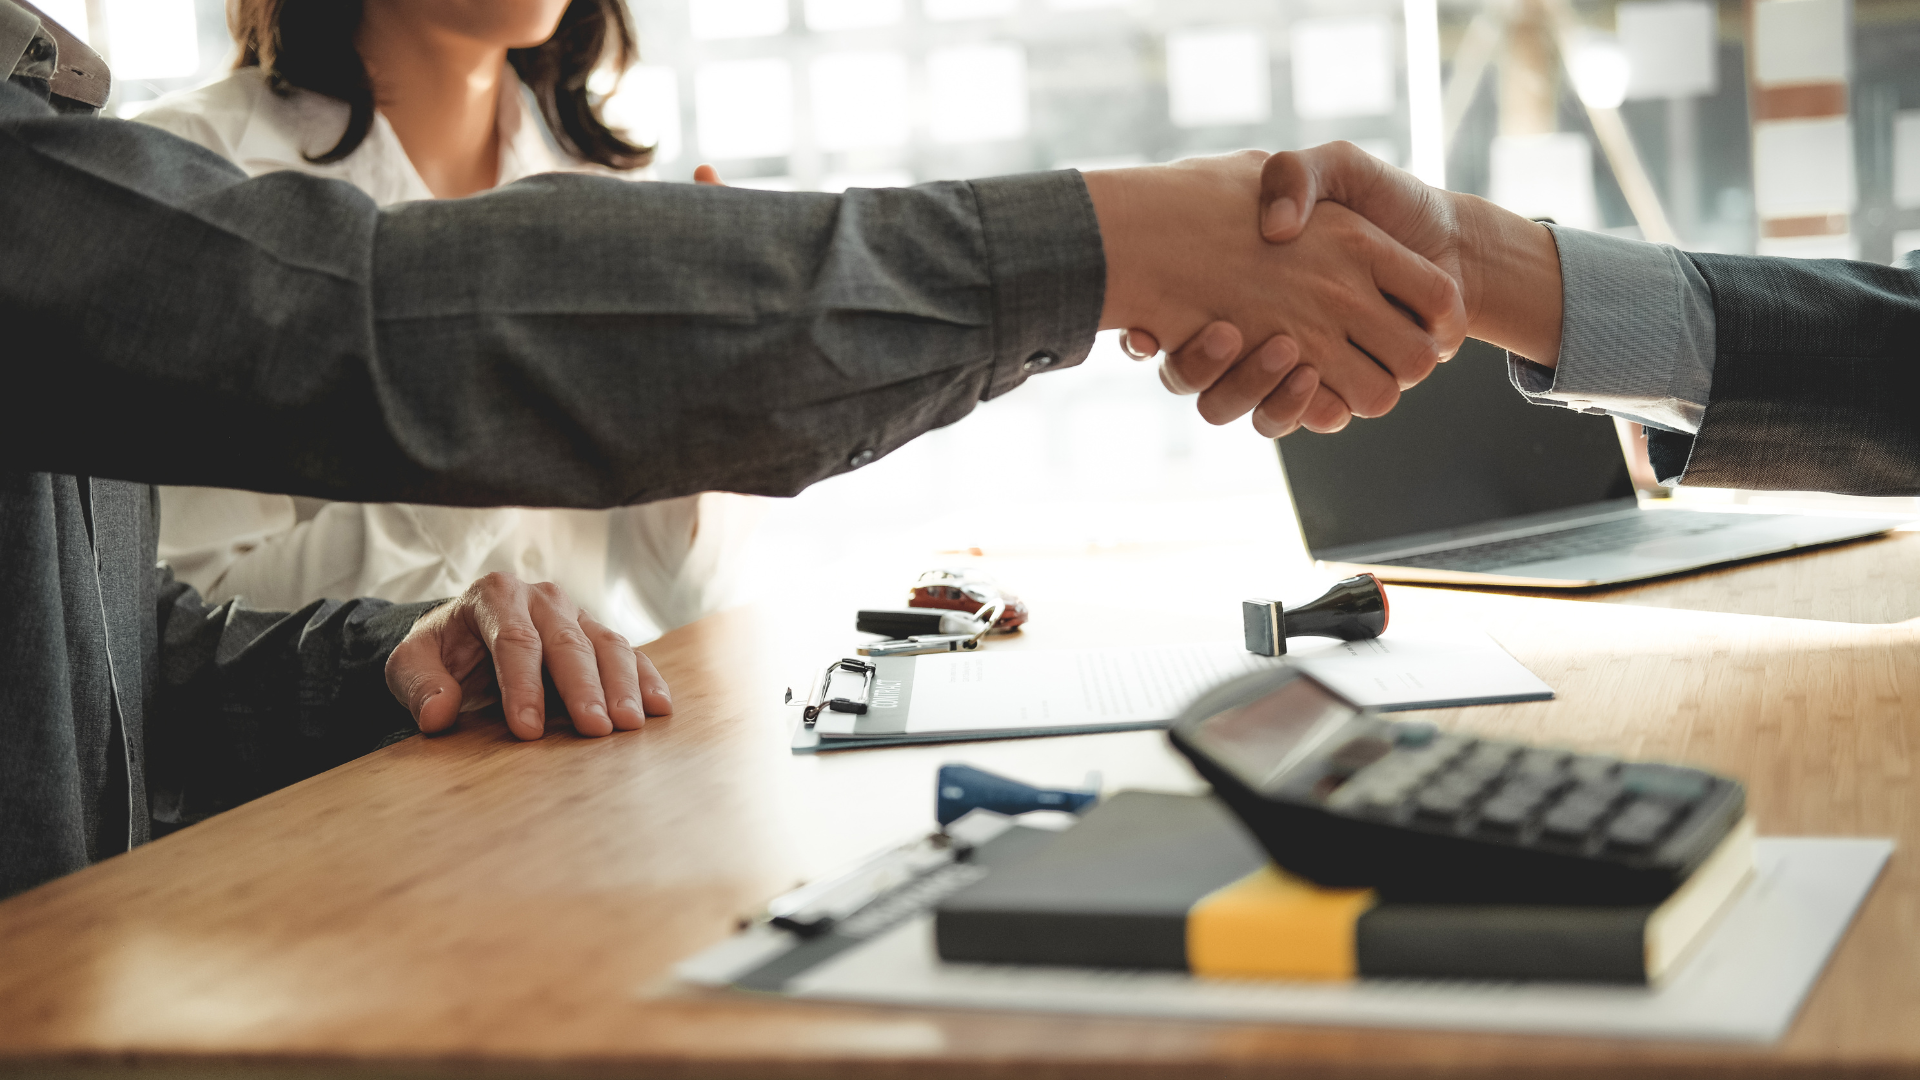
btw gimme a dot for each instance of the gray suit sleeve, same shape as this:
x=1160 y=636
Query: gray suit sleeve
x=564 y=341
x=1815 y=379
x=1636 y=334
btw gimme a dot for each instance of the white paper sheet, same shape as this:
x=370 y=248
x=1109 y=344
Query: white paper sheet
x=1423 y=668
x=1745 y=983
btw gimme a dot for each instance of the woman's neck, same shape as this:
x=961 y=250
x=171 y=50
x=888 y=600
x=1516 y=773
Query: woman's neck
x=441 y=93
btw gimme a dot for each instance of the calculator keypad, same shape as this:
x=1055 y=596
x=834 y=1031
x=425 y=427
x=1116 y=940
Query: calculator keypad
x=1510 y=793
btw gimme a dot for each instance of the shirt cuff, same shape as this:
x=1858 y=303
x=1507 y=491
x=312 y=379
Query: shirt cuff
x=1049 y=273
x=1636 y=336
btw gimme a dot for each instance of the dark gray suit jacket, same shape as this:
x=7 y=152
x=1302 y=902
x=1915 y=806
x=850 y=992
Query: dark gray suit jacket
x=1816 y=379
x=566 y=341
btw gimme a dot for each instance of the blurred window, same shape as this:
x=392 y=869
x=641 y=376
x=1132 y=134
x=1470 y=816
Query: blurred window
x=715 y=19
x=1218 y=77
x=152 y=39
x=859 y=100
x=852 y=14
x=976 y=93
x=1343 y=67
x=745 y=108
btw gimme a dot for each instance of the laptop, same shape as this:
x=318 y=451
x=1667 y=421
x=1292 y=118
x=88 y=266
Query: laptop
x=1467 y=482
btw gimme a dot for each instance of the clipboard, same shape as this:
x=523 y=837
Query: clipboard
x=1030 y=693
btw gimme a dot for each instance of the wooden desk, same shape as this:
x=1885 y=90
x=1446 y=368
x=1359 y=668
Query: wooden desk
x=467 y=905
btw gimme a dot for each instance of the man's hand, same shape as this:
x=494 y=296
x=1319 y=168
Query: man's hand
x=1507 y=267
x=441 y=669
x=1183 y=250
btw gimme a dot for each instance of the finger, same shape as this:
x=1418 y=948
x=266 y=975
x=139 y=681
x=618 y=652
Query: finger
x=419 y=678
x=1326 y=413
x=1434 y=298
x=1384 y=332
x=1363 y=386
x=1199 y=363
x=1280 y=414
x=1139 y=344
x=1289 y=186
x=497 y=606
x=653 y=687
x=1250 y=381
x=570 y=658
x=707 y=174
x=619 y=674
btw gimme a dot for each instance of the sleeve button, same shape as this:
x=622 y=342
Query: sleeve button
x=1039 y=362
x=860 y=458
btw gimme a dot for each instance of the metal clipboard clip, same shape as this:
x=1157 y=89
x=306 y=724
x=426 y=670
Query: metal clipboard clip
x=846 y=705
x=939 y=643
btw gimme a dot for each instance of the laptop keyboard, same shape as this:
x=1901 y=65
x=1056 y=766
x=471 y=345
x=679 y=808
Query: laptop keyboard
x=1602 y=536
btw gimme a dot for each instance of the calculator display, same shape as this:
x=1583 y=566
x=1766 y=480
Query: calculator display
x=1263 y=738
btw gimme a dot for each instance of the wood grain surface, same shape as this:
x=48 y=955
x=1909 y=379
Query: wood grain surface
x=467 y=905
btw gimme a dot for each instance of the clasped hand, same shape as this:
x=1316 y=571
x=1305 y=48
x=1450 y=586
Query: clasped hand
x=493 y=642
x=1210 y=253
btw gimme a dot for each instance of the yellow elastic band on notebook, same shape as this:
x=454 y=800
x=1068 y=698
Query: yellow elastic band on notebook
x=1273 y=925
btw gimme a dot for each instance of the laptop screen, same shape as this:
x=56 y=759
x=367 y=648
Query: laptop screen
x=1460 y=449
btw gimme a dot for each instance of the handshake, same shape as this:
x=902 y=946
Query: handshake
x=1312 y=287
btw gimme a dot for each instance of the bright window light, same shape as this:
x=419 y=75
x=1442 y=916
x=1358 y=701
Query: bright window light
x=744 y=108
x=1799 y=41
x=710 y=19
x=765 y=183
x=647 y=107
x=1600 y=71
x=1217 y=77
x=1084 y=5
x=71 y=14
x=860 y=100
x=852 y=14
x=950 y=10
x=1904 y=241
x=882 y=178
x=1841 y=246
x=1342 y=67
x=1803 y=168
x=1671 y=45
x=1110 y=161
x=153 y=39
x=1906 y=159
x=1384 y=149
x=1546 y=176
x=977 y=93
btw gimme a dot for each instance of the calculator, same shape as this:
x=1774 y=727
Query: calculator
x=1347 y=798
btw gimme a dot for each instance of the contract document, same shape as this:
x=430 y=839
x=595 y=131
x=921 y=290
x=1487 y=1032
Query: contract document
x=1000 y=694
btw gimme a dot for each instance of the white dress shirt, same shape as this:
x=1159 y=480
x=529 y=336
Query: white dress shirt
x=641 y=569
x=1636 y=334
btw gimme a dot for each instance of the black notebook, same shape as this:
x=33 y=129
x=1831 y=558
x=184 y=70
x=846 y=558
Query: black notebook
x=1173 y=881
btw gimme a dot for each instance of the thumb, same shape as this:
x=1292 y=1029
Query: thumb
x=707 y=174
x=417 y=676
x=1289 y=186
x=1291 y=183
